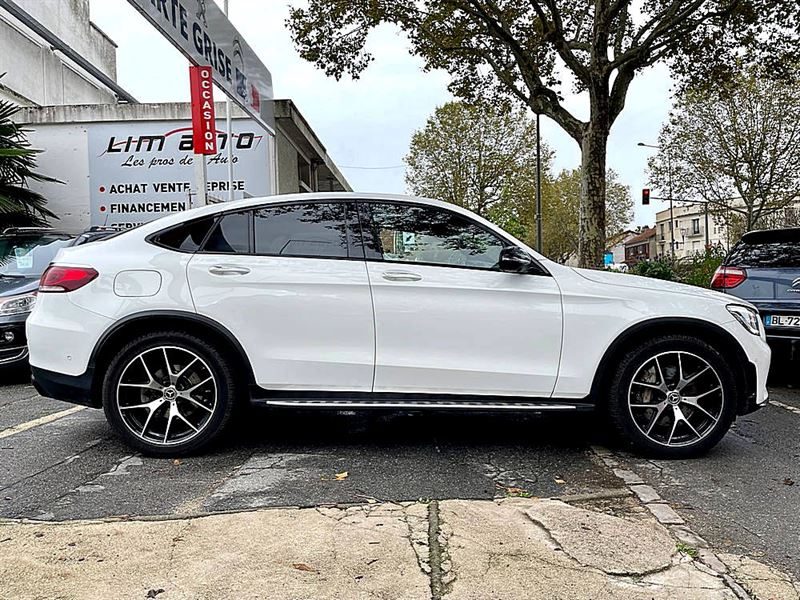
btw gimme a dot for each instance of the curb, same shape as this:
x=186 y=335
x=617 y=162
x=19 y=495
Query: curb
x=670 y=519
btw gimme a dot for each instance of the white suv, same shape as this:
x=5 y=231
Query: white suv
x=377 y=301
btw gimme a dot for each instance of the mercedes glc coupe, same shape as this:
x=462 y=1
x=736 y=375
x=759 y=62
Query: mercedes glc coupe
x=353 y=301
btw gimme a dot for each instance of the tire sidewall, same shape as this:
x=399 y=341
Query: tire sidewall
x=629 y=366
x=217 y=364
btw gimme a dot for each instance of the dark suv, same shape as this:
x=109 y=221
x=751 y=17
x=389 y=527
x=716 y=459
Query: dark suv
x=25 y=252
x=764 y=268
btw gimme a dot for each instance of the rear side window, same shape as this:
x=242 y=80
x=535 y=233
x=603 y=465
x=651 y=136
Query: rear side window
x=231 y=234
x=775 y=255
x=307 y=230
x=186 y=237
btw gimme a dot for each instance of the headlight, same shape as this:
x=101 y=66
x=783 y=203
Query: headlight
x=747 y=316
x=17 y=305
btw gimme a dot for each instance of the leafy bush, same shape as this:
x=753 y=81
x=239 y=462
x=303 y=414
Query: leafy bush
x=693 y=270
x=659 y=268
x=699 y=268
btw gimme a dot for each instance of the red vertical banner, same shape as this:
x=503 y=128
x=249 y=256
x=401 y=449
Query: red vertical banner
x=203 y=123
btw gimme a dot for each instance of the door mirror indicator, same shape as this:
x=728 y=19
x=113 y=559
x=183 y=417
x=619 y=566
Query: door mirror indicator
x=515 y=260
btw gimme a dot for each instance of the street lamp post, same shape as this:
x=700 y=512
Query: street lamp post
x=669 y=192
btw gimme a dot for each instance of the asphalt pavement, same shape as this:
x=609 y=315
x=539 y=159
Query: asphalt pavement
x=58 y=463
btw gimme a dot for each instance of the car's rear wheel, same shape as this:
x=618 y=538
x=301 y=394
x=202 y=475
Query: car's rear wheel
x=169 y=394
x=673 y=397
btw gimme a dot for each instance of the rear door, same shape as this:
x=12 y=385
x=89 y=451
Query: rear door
x=290 y=282
x=447 y=320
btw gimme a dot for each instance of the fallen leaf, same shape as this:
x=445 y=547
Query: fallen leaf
x=560 y=481
x=304 y=567
x=341 y=476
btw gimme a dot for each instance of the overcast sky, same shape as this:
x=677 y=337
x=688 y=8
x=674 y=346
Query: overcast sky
x=368 y=122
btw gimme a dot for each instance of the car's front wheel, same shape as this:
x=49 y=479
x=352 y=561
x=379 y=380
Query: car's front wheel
x=673 y=396
x=169 y=394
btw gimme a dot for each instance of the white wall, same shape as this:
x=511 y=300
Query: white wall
x=37 y=75
x=66 y=158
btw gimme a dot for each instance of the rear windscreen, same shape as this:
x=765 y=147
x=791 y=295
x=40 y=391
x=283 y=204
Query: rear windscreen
x=775 y=255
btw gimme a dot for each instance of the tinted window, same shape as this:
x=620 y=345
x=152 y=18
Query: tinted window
x=776 y=255
x=423 y=234
x=313 y=230
x=231 y=234
x=185 y=238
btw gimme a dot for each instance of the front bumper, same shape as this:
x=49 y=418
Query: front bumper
x=758 y=355
x=76 y=389
x=15 y=350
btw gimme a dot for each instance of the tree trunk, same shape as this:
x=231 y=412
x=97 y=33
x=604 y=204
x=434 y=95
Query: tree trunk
x=592 y=231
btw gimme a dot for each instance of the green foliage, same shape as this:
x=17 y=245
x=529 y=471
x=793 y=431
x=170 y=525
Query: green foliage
x=657 y=268
x=19 y=205
x=560 y=212
x=697 y=269
x=479 y=157
x=736 y=147
x=540 y=52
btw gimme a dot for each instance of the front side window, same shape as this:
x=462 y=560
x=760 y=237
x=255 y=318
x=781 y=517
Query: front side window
x=428 y=235
x=307 y=230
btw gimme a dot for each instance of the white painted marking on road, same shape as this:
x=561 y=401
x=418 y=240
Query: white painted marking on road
x=788 y=407
x=40 y=421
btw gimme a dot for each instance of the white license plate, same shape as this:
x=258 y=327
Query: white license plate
x=782 y=321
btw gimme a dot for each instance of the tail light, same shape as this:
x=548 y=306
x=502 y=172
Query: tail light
x=57 y=279
x=726 y=278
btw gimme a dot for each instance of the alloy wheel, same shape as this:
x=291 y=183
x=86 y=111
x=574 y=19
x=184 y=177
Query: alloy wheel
x=166 y=395
x=676 y=398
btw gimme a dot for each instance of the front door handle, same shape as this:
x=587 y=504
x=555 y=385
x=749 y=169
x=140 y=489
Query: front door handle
x=401 y=276
x=228 y=270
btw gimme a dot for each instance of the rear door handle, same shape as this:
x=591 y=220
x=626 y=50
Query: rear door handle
x=401 y=276
x=228 y=270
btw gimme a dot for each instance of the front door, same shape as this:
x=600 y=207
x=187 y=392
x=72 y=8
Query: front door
x=285 y=281
x=447 y=320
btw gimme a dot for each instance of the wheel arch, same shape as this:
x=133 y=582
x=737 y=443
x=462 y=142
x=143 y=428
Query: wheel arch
x=143 y=322
x=744 y=371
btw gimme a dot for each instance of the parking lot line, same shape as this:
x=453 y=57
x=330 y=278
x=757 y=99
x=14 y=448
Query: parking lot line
x=37 y=422
x=788 y=407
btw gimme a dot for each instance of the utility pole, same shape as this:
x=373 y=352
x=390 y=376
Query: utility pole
x=669 y=183
x=538 y=184
x=229 y=135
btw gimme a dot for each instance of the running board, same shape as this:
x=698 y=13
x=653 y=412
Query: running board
x=421 y=404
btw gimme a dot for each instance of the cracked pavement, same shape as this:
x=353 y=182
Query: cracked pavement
x=453 y=549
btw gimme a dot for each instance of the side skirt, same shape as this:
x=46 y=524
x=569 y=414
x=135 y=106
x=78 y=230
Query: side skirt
x=401 y=401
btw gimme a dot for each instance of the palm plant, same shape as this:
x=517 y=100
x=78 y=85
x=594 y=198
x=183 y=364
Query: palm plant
x=19 y=204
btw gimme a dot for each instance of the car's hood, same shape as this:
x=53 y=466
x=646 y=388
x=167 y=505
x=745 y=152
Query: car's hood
x=11 y=286
x=657 y=285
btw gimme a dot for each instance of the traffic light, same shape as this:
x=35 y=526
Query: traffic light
x=646 y=196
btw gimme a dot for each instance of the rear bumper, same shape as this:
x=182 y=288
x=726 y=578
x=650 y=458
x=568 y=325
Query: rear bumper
x=69 y=388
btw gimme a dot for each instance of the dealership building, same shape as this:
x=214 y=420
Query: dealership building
x=123 y=162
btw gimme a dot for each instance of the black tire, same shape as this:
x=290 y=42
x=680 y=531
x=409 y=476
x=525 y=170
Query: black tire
x=667 y=346
x=215 y=363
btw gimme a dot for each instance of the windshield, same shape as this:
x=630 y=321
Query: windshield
x=29 y=255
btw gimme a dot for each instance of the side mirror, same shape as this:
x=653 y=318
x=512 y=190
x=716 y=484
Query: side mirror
x=515 y=260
